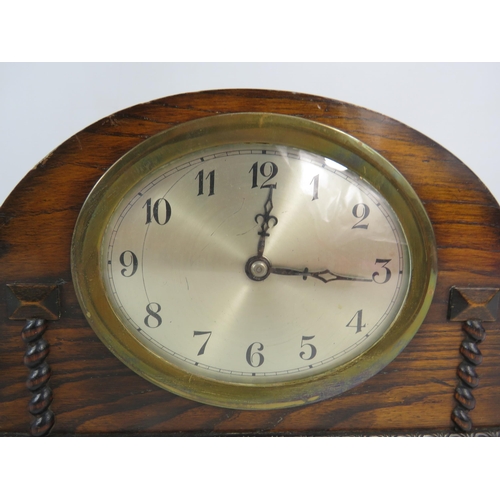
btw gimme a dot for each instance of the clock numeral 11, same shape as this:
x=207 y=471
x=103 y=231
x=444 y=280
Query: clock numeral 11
x=211 y=182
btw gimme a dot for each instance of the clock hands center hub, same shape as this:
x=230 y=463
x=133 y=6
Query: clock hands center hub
x=258 y=268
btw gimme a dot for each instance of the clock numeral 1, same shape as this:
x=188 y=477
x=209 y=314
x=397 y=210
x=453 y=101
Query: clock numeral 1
x=211 y=180
x=160 y=211
x=357 y=321
x=156 y=321
x=128 y=262
x=312 y=348
x=268 y=169
x=315 y=183
x=255 y=358
x=202 y=348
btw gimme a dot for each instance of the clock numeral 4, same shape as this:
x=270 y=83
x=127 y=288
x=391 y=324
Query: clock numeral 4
x=160 y=211
x=268 y=170
x=357 y=321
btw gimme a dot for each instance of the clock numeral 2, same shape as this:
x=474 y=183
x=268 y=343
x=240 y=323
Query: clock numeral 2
x=268 y=170
x=360 y=211
x=160 y=211
x=211 y=181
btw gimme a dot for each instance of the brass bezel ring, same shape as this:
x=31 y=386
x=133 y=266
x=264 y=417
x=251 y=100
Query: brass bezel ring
x=238 y=128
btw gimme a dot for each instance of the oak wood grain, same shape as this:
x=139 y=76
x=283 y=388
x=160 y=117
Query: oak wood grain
x=94 y=393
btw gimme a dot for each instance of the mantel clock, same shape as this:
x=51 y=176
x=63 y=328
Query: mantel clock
x=250 y=262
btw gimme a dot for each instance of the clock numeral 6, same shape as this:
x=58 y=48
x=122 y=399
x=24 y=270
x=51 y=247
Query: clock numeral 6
x=268 y=170
x=255 y=358
x=128 y=259
x=153 y=319
x=160 y=211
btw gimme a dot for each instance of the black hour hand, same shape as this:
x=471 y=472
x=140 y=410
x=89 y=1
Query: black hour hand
x=326 y=276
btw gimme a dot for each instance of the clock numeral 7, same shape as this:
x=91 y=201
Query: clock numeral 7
x=268 y=170
x=202 y=348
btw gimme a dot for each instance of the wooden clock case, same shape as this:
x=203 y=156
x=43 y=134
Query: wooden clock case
x=446 y=381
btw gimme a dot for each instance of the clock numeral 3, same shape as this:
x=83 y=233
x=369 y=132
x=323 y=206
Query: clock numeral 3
x=255 y=358
x=160 y=211
x=156 y=321
x=268 y=170
x=128 y=262
x=388 y=273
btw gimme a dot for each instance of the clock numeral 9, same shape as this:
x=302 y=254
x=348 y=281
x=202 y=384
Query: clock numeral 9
x=388 y=273
x=156 y=321
x=160 y=211
x=255 y=358
x=268 y=170
x=128 y=262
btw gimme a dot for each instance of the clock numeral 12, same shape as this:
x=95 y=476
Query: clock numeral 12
x=268 y=169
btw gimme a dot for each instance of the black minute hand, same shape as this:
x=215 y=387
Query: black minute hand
x=267 y=218
x=325 y=276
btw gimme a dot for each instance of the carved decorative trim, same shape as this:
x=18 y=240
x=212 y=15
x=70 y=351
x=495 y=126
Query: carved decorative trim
x=37 y=350
x=474 y=334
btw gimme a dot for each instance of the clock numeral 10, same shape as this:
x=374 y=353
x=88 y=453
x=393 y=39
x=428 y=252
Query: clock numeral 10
x=160 y=211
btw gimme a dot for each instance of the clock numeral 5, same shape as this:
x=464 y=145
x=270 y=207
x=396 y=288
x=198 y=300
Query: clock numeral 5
x=268 y=170
x=312 y=348
x=160 y=211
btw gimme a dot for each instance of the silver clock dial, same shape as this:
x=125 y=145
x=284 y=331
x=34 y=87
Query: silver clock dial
x=255 y=263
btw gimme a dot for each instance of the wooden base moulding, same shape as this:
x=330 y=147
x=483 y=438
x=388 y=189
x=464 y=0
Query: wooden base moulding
x=441 y=384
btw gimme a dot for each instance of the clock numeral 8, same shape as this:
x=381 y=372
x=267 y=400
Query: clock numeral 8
x=153 y=314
